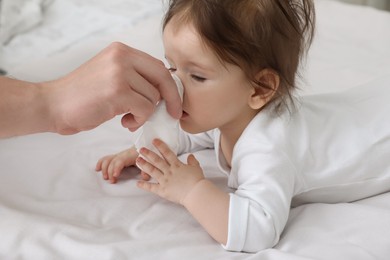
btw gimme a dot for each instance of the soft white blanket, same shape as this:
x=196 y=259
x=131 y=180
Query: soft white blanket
x=18 y=16
x=54 y=206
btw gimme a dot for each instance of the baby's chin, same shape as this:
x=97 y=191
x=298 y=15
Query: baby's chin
x=191 y=130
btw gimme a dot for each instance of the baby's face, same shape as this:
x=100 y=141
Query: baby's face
x=216 y=95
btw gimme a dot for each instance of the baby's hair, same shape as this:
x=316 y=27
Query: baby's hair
x=253 y=34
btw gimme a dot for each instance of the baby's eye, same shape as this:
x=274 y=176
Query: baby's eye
x=198 y=78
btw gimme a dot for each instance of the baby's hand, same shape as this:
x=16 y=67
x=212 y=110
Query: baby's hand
x=112 y=165
x=174 y=178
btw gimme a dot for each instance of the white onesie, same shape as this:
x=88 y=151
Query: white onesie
x=334 y=148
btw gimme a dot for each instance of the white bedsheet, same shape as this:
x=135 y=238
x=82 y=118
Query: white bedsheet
x=54 y=206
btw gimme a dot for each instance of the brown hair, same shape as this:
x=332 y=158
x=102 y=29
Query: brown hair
x=253 y=34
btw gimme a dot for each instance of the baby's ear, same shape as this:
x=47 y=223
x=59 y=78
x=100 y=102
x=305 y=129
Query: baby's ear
x=261 y=95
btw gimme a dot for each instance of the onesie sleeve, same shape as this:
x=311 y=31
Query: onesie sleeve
x=259 y=208
x=189 y=143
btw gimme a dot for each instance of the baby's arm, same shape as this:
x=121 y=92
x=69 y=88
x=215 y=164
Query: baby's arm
x=112 y=165
x=210 y=207
x=185 y=184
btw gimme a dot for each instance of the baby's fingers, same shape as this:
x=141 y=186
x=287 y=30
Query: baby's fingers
x=103 y=164
x=115 y=168
x=191 y=160
x=145 y=176
x=149 y=169
x=166 y=152
x=104 y=168
x=98 y=166
x=148 y=186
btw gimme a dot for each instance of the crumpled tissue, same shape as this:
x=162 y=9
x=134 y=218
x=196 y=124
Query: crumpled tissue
x=161 y=125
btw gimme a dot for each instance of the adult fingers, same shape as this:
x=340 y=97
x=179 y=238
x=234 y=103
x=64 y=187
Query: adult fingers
x=143 y=87
x=154 y=71
x=128 y=121
x=139 y=110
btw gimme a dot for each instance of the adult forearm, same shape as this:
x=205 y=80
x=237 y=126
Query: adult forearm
x=23 y=108
x=210 y=207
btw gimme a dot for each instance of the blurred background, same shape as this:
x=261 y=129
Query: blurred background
x=31 y=30
x=34 y=29
x=380 y=4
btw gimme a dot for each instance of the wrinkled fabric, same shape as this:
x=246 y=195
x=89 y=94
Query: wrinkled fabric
x=17 y=16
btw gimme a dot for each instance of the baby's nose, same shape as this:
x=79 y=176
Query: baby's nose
x=179 y=86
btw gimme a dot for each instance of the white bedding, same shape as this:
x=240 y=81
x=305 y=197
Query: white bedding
x=54 y=206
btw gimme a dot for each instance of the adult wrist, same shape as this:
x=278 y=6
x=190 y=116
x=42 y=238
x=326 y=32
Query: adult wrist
x=50 y=101
x=24 y=108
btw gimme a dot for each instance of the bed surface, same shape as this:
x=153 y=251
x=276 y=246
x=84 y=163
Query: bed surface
x=53 y=205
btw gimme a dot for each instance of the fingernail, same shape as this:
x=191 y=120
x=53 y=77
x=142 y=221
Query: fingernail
x=140 y=160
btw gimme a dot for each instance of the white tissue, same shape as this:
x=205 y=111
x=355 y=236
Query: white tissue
x=161 y=125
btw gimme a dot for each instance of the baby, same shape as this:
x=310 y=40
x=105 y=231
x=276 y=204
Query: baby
x=238 y=63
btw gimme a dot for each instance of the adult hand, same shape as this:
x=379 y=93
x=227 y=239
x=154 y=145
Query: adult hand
x=119 y=80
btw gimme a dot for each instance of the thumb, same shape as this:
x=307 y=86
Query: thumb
x=131 y=122
x=191 y=160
